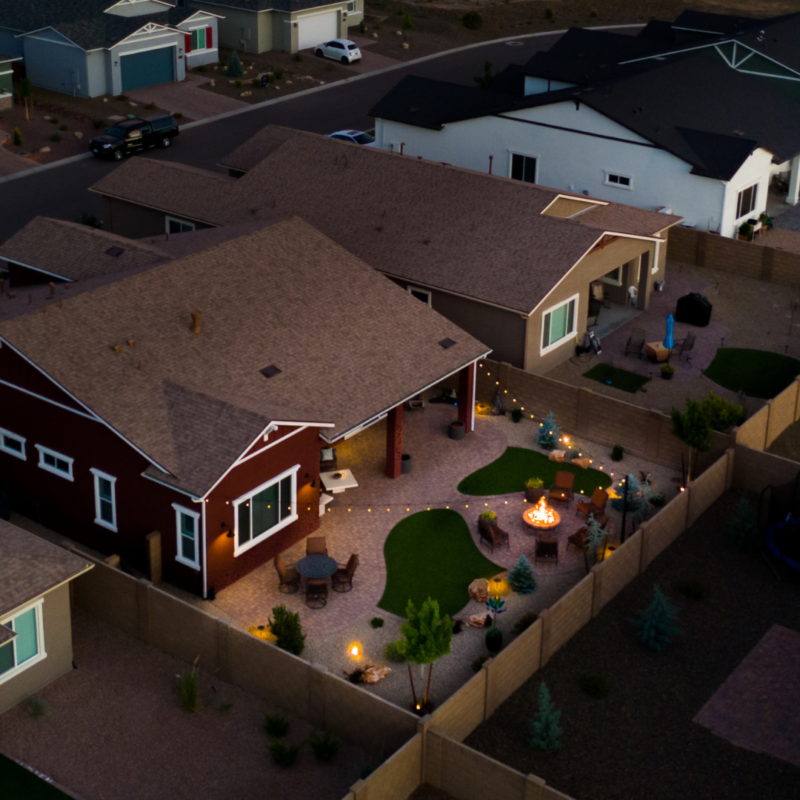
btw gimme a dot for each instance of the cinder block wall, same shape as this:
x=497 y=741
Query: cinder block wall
x=766 y=425
x=753 y=470
x=614 y=573
x=563 y=620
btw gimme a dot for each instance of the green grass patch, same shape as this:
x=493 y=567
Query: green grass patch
x=618 y=378
x=18 y=782
x=431 y=554
x=509 y=473
x=757 y=373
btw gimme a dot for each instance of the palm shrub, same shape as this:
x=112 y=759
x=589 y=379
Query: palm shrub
x=472 y=20
x=36 y=707
x=187 y=686
x=742 y=526
x=276 y=726
x=286 y=627
x=545 y=730
x=16 y=137
x=284 y=755
x=325 y=747
x=656 y=624
x=522 y=578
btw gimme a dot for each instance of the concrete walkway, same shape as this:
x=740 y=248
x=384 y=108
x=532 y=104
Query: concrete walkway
x=11 y=163
x=188 y=98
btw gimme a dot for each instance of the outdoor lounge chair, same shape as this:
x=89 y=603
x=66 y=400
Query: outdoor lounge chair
x=289 y=576
x=316 y=593
x=562 y=488
x=684 y=347
x=493 y=535
x=342 y=579
x=596 y=506
x=546 y=549
x=316 y=546
x=578 y=539
x=635 y=342
x=327 y=460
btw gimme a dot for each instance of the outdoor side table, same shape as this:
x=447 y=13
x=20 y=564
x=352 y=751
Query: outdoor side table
x=657 y=351
x=316 y=567
x=334 y=484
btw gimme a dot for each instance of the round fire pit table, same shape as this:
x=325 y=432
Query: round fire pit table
x=317 y=566
x=527 y=518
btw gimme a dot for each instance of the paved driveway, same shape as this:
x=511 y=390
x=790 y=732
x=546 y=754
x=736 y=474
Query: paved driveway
x=188 y=98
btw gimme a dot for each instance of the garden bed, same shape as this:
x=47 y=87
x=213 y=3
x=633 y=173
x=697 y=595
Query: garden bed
x=641 y=740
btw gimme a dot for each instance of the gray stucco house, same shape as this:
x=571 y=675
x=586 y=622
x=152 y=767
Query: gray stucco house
x=256 y=26
x=94 y=47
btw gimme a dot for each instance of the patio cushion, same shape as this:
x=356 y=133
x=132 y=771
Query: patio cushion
x=327 y=454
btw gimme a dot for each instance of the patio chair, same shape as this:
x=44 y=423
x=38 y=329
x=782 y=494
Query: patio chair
x=492 y=535
x=546 y=549
x=289 y=576
x=415 y=403
x=578 y=539
x=316 y=546
x=562 y=488
x=316 y=593
x=342 y=579
x=327 y=460
x=635 y=342
x=596 y=506
x=684 y=347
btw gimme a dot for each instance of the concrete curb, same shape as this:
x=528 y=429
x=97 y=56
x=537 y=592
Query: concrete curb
x=358 y=77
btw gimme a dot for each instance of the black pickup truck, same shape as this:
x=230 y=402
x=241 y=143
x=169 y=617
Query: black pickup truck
x=134 y=134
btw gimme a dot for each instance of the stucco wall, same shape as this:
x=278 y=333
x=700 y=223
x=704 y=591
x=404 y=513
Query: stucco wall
x=54 y=63
x=10 y=45
x=238 y=29
x=208 y=55
x=134 y=221
x=138 y=43
x=756 y=170
x=57 y=645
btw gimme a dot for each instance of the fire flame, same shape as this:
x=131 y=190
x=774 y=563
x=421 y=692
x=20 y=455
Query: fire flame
x=542 y=514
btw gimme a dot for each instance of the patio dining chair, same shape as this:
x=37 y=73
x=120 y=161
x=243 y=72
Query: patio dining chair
x=635 y=342
x=316 y=546
x=546 y=549
x=342 y=579
x=289 y=576
x=492 y=535
x=316 y=593
x=562 y=488
x=595 y=506
x=684 y=347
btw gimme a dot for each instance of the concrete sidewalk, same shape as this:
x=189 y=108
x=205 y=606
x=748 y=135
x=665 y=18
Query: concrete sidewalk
x=188 y=98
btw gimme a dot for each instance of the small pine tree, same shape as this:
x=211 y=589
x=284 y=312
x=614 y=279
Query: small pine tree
x=545 y=730
x=548 y=432
x=596 y=536
x=522 y=578
x=634 y=495
x=16 y=137
x=235 y=67
x=656 y=624
x=286 y=627
x=743 y=526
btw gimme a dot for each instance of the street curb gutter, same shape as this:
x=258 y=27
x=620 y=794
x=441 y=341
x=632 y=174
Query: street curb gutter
x=288 y=97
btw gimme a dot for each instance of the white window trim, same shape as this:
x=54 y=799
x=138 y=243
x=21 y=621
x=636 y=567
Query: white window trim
x=3 y=449
x=293 y=517
x=608 y=181
x=419 y=289
x=41 y=655
x=169 y=219
x=755 y=201
x=570 y=334
x=97 y=518
x=613 y=281
x=43 y=451
x=195 y=515
x=512 y=153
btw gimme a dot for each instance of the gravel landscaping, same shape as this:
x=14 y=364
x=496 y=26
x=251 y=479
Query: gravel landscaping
x=641 y=740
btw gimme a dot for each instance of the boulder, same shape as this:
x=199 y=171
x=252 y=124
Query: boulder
x=78 y=135
x=557 y=455
x=581 y=462
x=479 y=590
x=44 y=150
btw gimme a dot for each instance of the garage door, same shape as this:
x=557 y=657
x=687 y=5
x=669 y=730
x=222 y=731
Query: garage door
x=317 y=28
x=147 y=68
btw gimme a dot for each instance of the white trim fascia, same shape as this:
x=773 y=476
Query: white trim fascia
x=767 y=75
x=143 y=31
x=570 y=335
x=46 y=451
x=742 y=60
x=49 y=28
x=293 y=517
x=654 y=267
x=204 y=555
x=349 y=432
x=317 y=13
x=194 y=497
x=245 y=458
x=7 y=72
x=723 y=56
x=97 y=518
x=4 y=432
x=197 y=517
x=147 y=50
x=48 y=400
x=94 y=416
x=134 y=2
x=199 y=13
x=303 y=423
x=41 y=653
x=582 y=198
x=36 y=269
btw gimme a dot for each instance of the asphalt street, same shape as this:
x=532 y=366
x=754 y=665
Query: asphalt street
x=62 y=192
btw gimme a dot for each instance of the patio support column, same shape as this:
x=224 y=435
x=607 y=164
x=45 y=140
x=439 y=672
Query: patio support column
x=794 y=182
x=394 y=441
x=466 y=397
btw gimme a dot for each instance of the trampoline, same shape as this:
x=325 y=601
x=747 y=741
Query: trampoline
x=783 y=541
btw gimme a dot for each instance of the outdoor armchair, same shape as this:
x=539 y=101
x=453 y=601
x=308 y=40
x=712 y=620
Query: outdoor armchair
x=596 y=506
x=492 y=535
x=546 y=549
x=684 y=347
x=289 y=576
x=635 y=342
x=562 y=488
x=342 y=579
x=316 y=593
x=316 y=546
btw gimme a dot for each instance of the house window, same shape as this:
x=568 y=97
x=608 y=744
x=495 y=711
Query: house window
x=199 y=39
x=622 y=181
x=187 y=525
x=421 y=294
x=27 y=647
x=523 y=168
x=614 y=277
x=746 y=201
x=12 y=444
x=175 y=225
x=266 y=510
x=58 y=464
x=558 y=324
x=351 y=6
x=105 y=500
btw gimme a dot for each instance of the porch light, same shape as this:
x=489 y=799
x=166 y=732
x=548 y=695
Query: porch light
x=354 y=651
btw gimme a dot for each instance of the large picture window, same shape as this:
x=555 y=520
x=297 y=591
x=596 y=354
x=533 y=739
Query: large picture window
x=746 y=201
x=27 y=647
x=187 y=524
x=266 y=510
x=558 y=324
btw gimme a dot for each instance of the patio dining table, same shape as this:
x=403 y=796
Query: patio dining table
x=316 y=566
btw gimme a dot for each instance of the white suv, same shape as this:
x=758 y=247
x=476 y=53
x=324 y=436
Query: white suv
x=339 y=50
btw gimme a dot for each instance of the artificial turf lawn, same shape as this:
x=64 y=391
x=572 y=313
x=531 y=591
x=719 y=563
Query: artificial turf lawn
x=18 y=783
x=431 y=554
x=620 y=378
x=757 y=373
x=509 y=473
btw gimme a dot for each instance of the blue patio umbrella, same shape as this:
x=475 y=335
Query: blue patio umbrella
x=669 y=339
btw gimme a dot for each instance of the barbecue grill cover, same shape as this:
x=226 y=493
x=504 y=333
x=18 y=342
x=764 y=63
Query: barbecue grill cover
x=693 y=309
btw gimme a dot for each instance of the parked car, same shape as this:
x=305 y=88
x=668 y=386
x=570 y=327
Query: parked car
x=356 y=137
x=135 y=134
x=339 y=50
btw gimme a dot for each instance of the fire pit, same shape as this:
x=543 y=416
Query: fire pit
x=541 y=517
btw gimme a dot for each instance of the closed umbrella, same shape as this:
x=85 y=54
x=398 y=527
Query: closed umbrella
x=669 y=339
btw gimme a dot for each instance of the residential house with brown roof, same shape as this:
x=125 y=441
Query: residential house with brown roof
x=521 y=267
x=35 y=624
x=191 y=394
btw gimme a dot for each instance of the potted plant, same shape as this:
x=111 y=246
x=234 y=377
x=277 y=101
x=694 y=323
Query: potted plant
x=667 y=371
x=534 y=490
x=516 y=415
x=746 y=232
x=456 y=430
x=766 y=220
x=487 y=520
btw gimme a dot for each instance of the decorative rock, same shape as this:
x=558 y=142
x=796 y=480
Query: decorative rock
x=557 y=455
x=374 y=35
x=131 y=103
x=581 y=462
x=478 y=621
x=44 y=150
x=399 y=33
x=105 y=99
x=288 y=83
x=212 y=82
x=78 y=135
x=375 y=674
x=115 y=118
x=245 y=94
x=479 y=590
x=322 y=83
x=405 y=45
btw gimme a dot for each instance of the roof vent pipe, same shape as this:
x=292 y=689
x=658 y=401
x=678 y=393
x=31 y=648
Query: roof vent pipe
x=490 y=164
x=195 y=322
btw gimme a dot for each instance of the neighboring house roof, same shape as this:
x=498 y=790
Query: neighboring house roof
x=349 y=345
x=482 y=236
x=30 y=566
x=76 y=252
x=269 y=5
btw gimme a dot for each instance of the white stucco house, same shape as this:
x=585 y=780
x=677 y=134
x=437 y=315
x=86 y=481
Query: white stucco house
x=90 y=48
x=693 y=117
